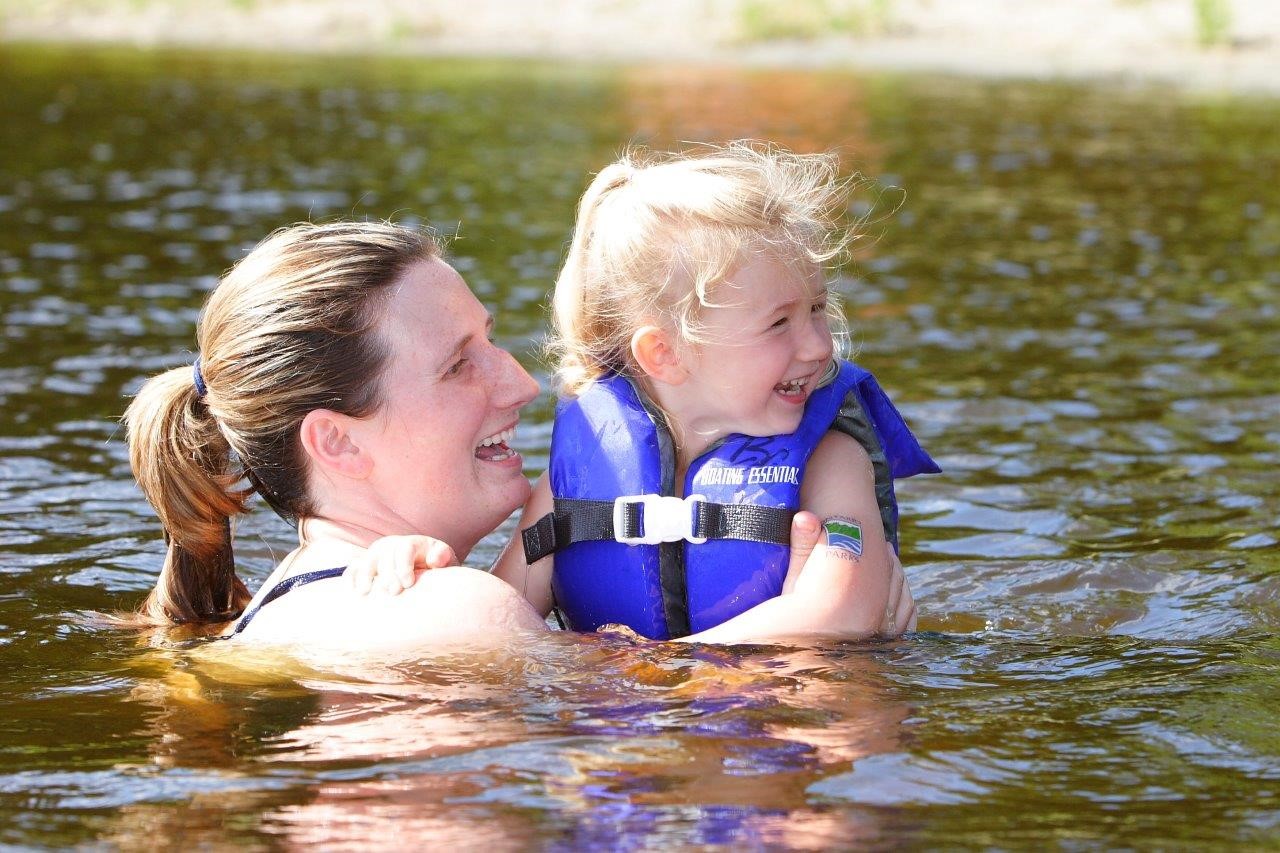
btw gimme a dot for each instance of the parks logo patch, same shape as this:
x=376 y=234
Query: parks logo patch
x=844 y=535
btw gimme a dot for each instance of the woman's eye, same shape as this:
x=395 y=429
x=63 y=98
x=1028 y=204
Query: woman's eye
x=779 y=323
x=819 y=307
x=456 y=367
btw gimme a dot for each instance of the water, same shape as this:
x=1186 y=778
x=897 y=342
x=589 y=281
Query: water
x=1071 y=290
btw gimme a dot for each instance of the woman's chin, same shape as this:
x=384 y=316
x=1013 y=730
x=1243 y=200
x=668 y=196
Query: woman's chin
x=508 y=496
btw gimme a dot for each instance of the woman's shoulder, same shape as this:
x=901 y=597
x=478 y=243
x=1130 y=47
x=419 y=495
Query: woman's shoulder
x=450 y=606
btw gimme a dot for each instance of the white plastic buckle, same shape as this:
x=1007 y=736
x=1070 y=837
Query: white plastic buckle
x=663 y=519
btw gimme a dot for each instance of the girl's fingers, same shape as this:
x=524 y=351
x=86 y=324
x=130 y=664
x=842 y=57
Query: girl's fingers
x=392 y=563
x=405 y=560
x=439 y=555
x=360 y=575
x=909 y=623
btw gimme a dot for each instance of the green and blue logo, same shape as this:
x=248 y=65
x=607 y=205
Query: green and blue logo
x=844 y=535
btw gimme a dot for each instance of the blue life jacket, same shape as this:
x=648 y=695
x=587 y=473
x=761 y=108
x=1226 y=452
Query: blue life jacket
x=608 y=444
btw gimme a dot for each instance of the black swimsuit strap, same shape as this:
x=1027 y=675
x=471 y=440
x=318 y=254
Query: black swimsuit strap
x=285 y=586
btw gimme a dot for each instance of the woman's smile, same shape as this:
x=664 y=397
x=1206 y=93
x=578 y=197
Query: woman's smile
x=497 y=447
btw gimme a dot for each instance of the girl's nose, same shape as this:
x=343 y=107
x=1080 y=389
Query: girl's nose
x=815 y=344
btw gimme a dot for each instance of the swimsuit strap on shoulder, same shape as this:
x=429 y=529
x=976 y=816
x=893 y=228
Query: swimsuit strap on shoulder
x=284 y=586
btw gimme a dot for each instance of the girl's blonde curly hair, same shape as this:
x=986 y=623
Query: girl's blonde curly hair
x=657 y=232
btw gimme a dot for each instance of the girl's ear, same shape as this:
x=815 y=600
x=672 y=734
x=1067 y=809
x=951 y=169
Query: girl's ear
x=329 y=442
x=656 y=354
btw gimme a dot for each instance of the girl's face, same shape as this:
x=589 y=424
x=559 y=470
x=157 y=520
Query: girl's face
x=440 y=441
x=765 y=348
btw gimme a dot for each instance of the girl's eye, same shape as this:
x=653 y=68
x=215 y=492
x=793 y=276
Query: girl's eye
x=819 y=307
x=779 y=323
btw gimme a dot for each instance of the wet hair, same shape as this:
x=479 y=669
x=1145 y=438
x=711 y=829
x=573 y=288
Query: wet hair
x=291 y=328
x=657 y=232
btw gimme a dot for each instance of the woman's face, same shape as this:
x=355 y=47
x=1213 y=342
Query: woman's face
x=442 y=460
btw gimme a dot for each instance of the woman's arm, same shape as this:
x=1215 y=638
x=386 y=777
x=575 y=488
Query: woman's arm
x=532 y=581
x=827 y=592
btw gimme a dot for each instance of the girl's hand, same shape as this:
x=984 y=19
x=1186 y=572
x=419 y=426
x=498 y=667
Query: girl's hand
x=392 y=563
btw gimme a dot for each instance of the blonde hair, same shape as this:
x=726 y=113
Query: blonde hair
x=656 y=232
x=289 y=329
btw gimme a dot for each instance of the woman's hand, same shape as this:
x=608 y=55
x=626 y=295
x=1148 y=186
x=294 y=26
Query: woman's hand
x=900 y=615
x=392 y=563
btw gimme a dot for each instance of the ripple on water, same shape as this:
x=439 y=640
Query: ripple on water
x=940 y=778
x=1100 y=553
x=122 y=786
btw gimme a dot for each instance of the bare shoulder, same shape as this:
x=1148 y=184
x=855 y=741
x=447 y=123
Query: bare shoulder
x=838 y=464
x=473 y=599
x=445 y=607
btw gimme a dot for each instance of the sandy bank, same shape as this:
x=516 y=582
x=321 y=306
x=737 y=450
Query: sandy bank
x=1130 y=40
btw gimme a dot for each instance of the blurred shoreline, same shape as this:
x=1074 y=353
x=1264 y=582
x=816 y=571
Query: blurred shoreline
x=1162 y=42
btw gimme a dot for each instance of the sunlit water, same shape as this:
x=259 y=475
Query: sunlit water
x=1071 y=291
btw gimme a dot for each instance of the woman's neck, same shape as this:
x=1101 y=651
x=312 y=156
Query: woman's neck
x=318 y=529
x=346 y=535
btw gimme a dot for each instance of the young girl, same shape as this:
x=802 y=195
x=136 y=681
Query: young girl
x=703 y=406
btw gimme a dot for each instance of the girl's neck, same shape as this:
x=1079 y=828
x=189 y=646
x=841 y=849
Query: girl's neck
x=689 y=444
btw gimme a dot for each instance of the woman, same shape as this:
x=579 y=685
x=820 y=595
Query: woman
x=345 y=372
x=347 y=376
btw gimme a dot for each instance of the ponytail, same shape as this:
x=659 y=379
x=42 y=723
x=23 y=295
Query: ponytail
x=183 y=464
x=573 y=346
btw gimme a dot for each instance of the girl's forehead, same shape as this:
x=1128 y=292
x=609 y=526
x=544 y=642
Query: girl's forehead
x=770 y=278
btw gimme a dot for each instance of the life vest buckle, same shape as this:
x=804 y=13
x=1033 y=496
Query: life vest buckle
x=663 y=519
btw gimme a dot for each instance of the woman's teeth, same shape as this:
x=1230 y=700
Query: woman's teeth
x=499 y=437
x=494 y=448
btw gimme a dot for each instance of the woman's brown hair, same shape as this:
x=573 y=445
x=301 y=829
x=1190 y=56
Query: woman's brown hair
x=289 y=329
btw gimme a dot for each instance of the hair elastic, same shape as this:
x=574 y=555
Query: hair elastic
x=201 y=388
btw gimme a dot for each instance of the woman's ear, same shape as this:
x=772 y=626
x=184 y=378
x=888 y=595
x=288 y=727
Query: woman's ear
x=329 y=442
x=656 y=354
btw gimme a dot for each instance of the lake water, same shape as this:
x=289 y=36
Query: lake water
x=1070 y=290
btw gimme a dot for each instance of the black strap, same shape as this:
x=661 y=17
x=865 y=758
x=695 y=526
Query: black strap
x=285 y=586
x=573 y=521
x=744 y=521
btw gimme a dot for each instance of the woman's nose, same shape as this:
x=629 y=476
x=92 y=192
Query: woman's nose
x=514 y=386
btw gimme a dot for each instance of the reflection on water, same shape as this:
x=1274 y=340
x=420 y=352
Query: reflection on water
x=1071 y=291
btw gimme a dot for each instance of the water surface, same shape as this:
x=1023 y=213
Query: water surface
x=1071 y=292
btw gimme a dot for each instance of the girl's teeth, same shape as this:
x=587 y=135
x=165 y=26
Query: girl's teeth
x=794 y=386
